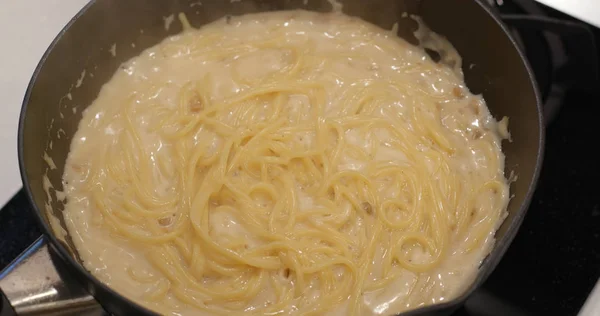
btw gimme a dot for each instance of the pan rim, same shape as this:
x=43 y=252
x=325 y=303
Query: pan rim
x=82 y=275
x=91 y=283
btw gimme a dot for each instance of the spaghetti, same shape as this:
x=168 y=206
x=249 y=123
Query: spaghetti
x=290 y=162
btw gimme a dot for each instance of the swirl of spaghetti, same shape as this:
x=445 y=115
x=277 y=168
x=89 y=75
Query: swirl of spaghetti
x=313 y=171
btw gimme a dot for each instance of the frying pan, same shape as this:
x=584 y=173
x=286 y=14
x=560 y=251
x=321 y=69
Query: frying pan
x=49 y=276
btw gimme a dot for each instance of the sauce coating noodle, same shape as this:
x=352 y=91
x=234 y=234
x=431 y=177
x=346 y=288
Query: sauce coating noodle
x=285 y=163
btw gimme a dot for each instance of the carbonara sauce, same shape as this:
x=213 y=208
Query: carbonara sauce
x=347 y=57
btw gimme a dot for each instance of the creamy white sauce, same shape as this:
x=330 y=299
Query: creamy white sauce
x=171 y=64
x=80 y=80
x=168 y=20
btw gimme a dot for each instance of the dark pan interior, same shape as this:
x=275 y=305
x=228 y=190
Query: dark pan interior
x=491 y=63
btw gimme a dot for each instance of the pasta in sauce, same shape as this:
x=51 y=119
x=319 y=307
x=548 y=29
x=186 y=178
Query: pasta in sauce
x=285 y=163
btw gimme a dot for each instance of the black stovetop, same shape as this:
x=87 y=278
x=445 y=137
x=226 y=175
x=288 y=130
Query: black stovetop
x=554 y=261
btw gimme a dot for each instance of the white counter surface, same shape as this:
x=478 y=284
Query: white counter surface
x=26 y=30
x=585 y=10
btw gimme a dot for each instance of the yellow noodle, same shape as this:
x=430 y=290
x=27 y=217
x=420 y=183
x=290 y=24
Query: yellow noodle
x=298 y=190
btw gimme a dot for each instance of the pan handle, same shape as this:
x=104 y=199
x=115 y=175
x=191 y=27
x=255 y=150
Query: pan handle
x=36 y=284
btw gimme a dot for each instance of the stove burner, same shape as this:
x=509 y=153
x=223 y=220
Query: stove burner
x=544 y=39
x=544 y=50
